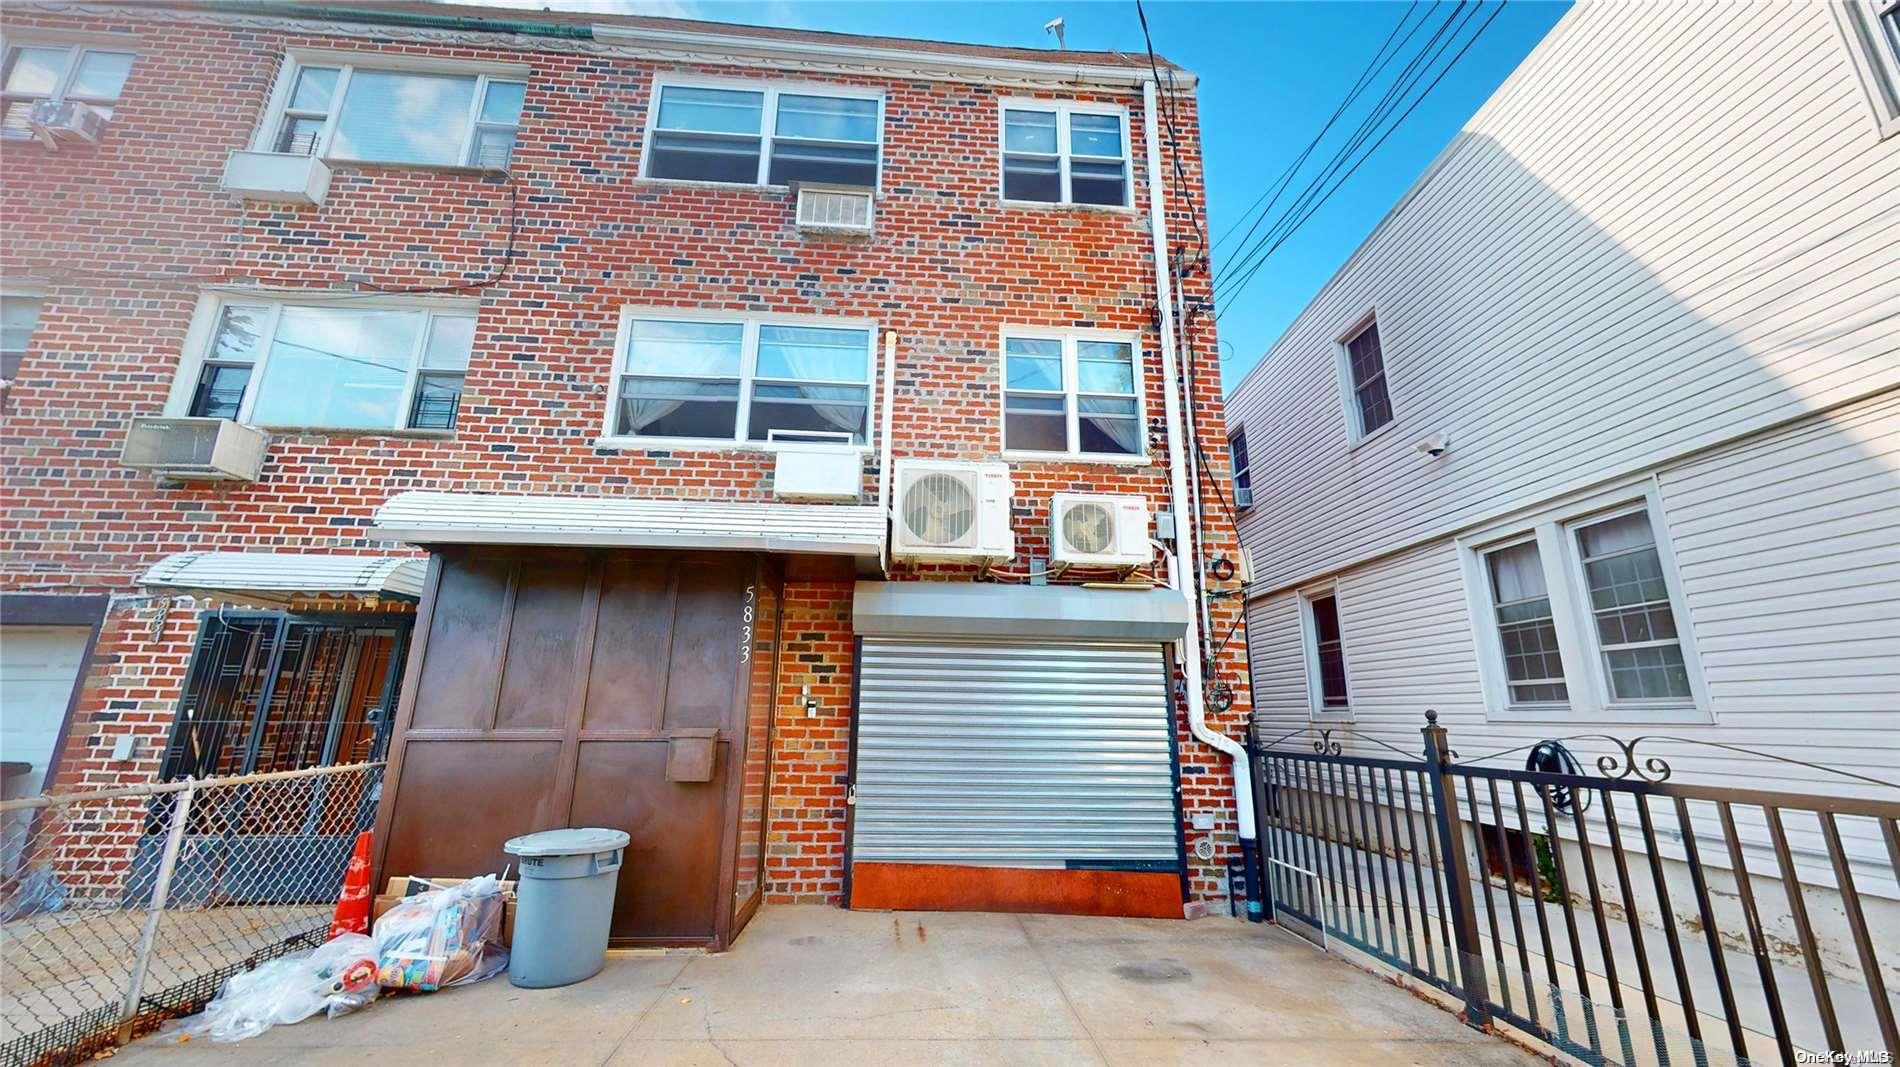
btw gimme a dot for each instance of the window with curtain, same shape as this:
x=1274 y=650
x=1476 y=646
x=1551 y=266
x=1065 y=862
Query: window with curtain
x=1630 y=609
x=31 y=73
x=764 y=136
x=19 y=316
x=1070 y=394
x=1328 y=653
x=744 y=380
x=1062 y=153
x=334 y=366
x=394 y=116
x=1527 y=631
x=1365 y=362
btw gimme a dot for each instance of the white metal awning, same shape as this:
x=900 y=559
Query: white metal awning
x=279 y=575
x=426 y=518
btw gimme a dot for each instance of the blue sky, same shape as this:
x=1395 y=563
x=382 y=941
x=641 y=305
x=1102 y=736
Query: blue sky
x=1271 y=74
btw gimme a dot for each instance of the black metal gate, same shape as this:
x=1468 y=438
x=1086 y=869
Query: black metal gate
x=273 y=691
x=1614 y=916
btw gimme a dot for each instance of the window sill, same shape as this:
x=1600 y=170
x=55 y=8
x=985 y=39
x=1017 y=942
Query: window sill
x=1618 y=715
x=696 y=183
x=1049 y=205
x=1373 y=436
x=337 y=431
x=694 y=444
x=1329 y=715
x=1077 y=457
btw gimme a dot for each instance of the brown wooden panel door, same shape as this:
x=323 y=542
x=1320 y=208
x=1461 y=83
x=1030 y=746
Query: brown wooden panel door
x=541 y=693
x=667 y=889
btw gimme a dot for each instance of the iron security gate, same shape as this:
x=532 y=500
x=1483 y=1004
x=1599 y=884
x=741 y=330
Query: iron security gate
x=1005 y=752
x=1620 y=917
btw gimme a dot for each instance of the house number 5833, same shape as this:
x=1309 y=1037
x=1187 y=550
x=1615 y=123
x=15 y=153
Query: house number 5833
x=745 y=636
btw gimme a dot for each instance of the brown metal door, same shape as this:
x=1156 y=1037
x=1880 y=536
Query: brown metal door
x=544 y=690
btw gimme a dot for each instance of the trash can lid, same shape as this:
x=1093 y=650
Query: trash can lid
x=570 y=842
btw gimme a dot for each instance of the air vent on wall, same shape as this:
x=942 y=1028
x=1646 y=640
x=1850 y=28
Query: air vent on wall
x=834 y=208
x=952 y=512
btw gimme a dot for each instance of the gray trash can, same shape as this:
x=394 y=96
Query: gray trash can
x=565 y=904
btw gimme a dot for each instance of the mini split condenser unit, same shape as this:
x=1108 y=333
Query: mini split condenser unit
x=1091 y=530
x=952 y=512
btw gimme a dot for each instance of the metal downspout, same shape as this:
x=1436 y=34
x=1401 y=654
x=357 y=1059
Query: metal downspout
x=1187 y=578
x=884 y=448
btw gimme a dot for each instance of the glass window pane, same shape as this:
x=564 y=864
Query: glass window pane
x=393 y=117
x=837 y=164
x=1104 y=367
x=826 y=118
x=100 y=75
x=220 y=393
x=1326 y=618
x=1363 y=352
x=810 y=408
x=18 y=316
x=240 y=328
x=337 y=367
x=1033 y=363
x=1114 y=435
x=494 y=147
x=809 y=354
x=1097 y=183
x=438 y=398
x=1031 y=178
x=1095 y=135
x=1375 y=408
x=502 y=104
x=1029 y=131
x=1616 y=535
x=1517 y=573
x=710 y=110
x=690 y=349
x=1036 y=432
x=1654 y=673
x=450 y=339
x=35 y=70
x=314 y=88
x=299 y=135
x=662 y=407
x=694 y=157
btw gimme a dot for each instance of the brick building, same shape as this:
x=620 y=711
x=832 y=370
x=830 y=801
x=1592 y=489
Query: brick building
x=589 y=356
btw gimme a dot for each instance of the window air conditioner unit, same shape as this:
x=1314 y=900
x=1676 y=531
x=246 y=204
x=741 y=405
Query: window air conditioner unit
x=834 y=208
x=1243 y=496
x=195 y=450
x=952 y=512
x=1090 y=530
x=54 y=121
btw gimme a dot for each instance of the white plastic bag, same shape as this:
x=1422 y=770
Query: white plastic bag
x=338 y=976
x=444 y=937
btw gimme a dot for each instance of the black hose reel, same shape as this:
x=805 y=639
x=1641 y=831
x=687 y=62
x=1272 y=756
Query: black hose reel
x=1552 y=757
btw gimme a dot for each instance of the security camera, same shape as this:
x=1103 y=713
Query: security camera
x=1055 y=26
x=1436 y=445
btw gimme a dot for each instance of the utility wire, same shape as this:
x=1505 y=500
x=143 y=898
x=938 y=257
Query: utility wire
x=1238 y=286
x=1374 y=67
x=1401 y=87
x=1174 y=140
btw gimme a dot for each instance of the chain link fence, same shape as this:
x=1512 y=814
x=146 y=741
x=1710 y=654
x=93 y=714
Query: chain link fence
x=123 y=908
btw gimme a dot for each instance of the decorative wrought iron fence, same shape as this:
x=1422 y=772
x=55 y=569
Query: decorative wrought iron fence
x=1620 y=917
x=125 y=907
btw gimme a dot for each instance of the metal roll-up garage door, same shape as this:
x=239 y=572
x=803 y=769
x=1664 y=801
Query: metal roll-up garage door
x=1012 y=752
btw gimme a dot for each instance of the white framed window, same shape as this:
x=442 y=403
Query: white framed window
x=694 y=379
x=1243 y=474
x=1328 y=684
x=32 y=72
x=1072 y=393
x=1580 y=616
x=1871 y=29
x=326 y=363
x=19 y=316
x=1060 y=152
x=1362 y=379
x=364 y=110
x=759 y=133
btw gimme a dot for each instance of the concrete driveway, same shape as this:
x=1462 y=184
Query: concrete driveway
x=833 y=988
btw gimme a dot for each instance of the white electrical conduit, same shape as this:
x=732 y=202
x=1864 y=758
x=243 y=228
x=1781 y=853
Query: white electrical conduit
x=884 y=445
x=1182 y=574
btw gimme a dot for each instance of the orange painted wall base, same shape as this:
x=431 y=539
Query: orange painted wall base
x=944 y=887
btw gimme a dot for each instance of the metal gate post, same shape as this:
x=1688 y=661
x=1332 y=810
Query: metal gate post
x=1258 y=877
x=161 y=889
x=1457 y=874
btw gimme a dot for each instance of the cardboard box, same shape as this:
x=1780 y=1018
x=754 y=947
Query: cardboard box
x=400 y=887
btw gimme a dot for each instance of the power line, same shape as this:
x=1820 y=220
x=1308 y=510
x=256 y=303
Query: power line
x=1401 y=86
x=1238 y=286
x=1374 y=67
x=1174 y=140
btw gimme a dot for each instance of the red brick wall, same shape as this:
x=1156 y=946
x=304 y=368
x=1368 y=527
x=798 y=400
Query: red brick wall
x=126 y=237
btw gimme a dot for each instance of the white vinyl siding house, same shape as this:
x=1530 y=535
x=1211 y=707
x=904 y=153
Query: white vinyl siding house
x=1612 y=322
